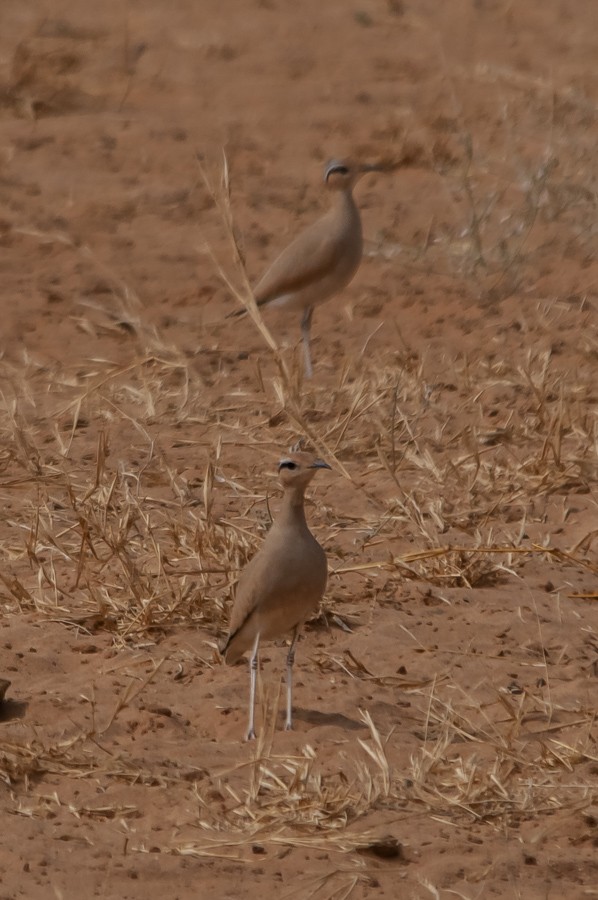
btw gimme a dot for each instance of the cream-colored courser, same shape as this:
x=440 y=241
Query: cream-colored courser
x=283 y=583
x=323 y=259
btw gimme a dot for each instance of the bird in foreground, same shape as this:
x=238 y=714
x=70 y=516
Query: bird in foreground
x=282 y=585
x=323 y=259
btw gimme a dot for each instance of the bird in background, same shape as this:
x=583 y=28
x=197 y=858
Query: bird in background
x=323 y=259
x=282 y=585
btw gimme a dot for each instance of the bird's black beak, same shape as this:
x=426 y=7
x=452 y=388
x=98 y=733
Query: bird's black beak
x=319 y=464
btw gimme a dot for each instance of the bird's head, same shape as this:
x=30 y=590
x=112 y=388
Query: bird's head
x=298 y=469
x=343 y=174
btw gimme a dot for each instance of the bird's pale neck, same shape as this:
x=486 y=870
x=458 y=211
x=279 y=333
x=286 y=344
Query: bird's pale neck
x=345 y=214
x=292 y=509
x=344 y=200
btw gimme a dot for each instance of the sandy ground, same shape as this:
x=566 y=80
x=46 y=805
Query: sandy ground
x=445 y=741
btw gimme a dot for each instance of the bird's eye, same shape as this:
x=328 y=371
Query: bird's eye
x=340 y=170
x=287 y=464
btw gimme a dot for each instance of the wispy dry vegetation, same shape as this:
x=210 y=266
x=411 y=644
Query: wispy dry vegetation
x=137 y=479
x=146 y=534
x=113 y=529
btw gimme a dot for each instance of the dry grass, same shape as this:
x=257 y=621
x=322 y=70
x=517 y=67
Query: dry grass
x=290 y=800
x=111 y=534
x=135 y=492
x=152 y=545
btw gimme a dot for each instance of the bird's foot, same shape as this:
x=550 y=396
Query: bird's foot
x=250 y=736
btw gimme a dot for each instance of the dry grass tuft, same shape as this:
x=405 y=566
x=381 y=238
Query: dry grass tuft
x=291 y=800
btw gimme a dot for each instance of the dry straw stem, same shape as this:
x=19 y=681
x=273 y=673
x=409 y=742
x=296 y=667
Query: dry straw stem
x=288 y=800
x=461 y=557
x=496 y=234
x=338 y=884
x=132 y=692
x=118 y=542
x=471 y=767
x=75 y=756
x=147 y=556
x=514 y=779
x=245 y=297
x=159 y=543
x=288 y=389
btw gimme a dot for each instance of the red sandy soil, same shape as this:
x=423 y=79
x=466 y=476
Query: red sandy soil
x=446 y=697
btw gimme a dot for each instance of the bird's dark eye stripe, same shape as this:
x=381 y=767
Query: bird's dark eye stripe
x=342 y=170
x=287 y=464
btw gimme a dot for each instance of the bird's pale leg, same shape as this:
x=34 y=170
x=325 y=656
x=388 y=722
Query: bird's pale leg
x=252 y=683
x=290 y=660
x=305 y=328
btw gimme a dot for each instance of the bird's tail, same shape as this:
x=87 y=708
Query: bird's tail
x=236 y=313
x=243 y=312
x=230 y=654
